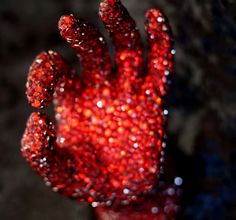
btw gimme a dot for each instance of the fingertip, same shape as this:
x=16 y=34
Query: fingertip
x=40 y=123
x=105 y=3
x=39 y=133
x=41 y=80
x=103 y=6
x=154 y=12
x=108 y=7
x=66 y=21
x=38 y=139
x=156 y=21
x=66 y=26
x=34 y=91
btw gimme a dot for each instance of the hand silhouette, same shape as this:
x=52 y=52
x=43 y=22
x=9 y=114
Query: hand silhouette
x=109 y=130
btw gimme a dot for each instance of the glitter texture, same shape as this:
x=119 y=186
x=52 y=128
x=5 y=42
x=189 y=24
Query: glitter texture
x=106 y=143
x=161 y=204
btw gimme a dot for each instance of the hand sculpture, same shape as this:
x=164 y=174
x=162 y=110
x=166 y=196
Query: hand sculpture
x=109 y=130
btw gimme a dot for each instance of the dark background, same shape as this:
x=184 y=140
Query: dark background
x=202 y=103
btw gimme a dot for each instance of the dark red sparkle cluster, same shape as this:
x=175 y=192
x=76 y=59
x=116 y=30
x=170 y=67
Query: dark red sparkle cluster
x=106 y=143
x=161 y=204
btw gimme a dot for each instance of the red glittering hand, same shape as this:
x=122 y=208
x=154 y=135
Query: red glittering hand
x=108 y=135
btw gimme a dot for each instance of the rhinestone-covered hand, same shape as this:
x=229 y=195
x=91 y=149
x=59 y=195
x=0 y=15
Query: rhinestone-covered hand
x=109 y=128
